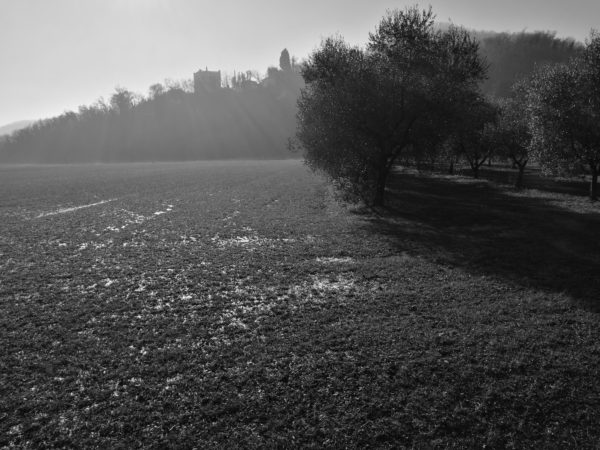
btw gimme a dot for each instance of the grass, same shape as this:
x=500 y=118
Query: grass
x=235 y=305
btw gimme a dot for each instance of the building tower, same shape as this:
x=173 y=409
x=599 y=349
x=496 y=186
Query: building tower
x=207 y=81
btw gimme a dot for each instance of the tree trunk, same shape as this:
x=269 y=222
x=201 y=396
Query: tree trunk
x=432 y=164
x=519 y=182
x=594 y=186
x=475 y=169
x=451 y=167
x=379 y=198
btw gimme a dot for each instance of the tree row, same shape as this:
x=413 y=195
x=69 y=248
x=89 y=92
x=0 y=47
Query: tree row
x=415 y=93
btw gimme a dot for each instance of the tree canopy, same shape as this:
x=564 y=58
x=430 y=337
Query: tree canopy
x=284 y=61
x=564 y=102
x=361 y=108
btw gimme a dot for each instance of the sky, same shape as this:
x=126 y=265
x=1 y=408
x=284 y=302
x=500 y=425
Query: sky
x=56 y=55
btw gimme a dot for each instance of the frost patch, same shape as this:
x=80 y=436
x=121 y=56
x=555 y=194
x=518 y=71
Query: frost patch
x=326 y=285
x=56 y=242
x=108 y=282
x=73 y=208
x=16 y=429
x=250 y=303
x=186 y=240
x=141 y=285
x=100 y=245
x=345 y=260
x=231 y=217
x=128 y=218
x=320 y=290
x=248 y=242
x=133 y=218
x=169 y=208
x=237 y=323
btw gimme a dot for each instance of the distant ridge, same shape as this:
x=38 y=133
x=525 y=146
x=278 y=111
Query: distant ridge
x=14 y=126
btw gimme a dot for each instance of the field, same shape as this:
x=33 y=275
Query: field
x=238 y=305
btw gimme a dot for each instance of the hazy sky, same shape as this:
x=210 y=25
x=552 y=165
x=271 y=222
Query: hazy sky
x=58 y=54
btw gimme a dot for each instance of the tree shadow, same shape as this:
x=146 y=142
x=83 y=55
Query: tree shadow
x=478 y=227
x=532 y=179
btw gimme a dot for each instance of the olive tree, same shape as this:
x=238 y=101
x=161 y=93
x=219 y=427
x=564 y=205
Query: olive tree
x=564 y=105
x=361 y=108
x=511 y=134
x=473 y=129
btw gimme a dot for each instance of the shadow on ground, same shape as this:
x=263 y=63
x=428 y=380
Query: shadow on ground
x=486 y=231
x=532 y=179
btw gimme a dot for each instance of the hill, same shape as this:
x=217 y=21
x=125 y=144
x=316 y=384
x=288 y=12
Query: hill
x=512 y=56
x=14 y=126
x=248 y=120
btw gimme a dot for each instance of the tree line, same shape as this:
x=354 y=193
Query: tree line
x=418 y=93
x=250 y=117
